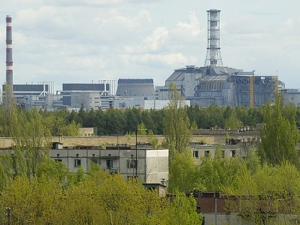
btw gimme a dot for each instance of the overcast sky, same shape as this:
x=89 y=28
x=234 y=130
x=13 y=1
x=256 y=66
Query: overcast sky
x=91 y=40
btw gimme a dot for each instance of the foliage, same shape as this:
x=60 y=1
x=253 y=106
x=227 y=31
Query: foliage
x=194 y=126
x=183 y=174
x=129 y=138
x=152 y=140
x=266 y=192
x=115 y=121
x=31 y=141
x=176 y=124
x=212 y=173
x=183 y=211
x=100 y=198
x=53 y=169
x=233 y=122
x=279 y=135
x=7 y=112
x=141 y=129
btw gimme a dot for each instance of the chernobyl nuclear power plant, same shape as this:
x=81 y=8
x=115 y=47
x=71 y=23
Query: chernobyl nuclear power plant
x=210 y=84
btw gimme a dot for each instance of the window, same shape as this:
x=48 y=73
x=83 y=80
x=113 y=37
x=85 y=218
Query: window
x=232 y=153
x=223 y=154
x=109 y=164
x=58 y=160
x=131 y=163
x=206 y=153
x=77 y=163
x=196 y=154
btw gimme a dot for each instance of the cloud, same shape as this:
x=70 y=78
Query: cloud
x=172 y=59
x=188 y=31
x=153 y=43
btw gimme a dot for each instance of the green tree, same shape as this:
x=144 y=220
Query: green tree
x=152 y=140
x=53 y=169
x=59 y=125
x=233 y=122
x=6 y=173
x=141 y=129
x=279 y=135
x=265 y=194
x=7 y=112
x=211 y=171
x=31 y=141
x=176 y=123
x=32 y=201
x=183 y=175
x=182 y=211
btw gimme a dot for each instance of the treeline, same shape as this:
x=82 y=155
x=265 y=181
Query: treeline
x=116 y=121
x=119 y=122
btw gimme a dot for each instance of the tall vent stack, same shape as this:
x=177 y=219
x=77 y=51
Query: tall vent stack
x=213 y=55
x=9 y=61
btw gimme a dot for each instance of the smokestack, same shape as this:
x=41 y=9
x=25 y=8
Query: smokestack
x=213 y=55
x=9 y=62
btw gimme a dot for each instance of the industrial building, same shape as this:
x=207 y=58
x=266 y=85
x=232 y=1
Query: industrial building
x=291 y=96
x=222 y=86
x=215 y=84
x=136 y=88
x=88 y=95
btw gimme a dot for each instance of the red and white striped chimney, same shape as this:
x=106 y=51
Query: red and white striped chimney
x=9 y=61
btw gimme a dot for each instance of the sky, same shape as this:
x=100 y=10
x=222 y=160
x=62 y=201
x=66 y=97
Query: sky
x=85 y=41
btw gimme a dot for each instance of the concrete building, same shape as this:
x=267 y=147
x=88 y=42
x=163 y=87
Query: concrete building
x=130 y=102
x=136 y=88
x=215 y=84
x=201 y=151
x=291 y=96
x=35 y=95
x=87 y=100
x=149 y=165
x=87 y=95
x=222 y=86
x=88 y=131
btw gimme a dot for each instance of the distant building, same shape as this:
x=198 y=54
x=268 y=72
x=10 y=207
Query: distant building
x=88 y=131
x=222 y=86
x=291 y=96
x=87 y=95
x=130 y=102
x=34 y=95
x=136 y=88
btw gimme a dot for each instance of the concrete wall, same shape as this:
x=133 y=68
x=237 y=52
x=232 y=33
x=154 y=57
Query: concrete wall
x=157 y=166
x=205 y=136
